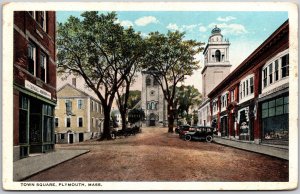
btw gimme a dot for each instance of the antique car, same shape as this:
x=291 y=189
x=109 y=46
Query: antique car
x=200 y=133
x=182 y=128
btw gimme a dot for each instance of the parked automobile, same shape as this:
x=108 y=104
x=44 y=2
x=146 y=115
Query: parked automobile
x=200 y=133
x=182 y=127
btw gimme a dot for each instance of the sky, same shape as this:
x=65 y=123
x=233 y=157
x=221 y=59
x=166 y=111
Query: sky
x=245 y=30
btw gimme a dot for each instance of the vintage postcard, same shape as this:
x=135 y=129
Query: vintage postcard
x=150 y=96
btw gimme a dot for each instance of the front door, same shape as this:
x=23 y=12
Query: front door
x=80 y=137
x=152 y=122
x=71 y=138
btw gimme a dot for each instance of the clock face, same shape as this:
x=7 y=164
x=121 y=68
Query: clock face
x=152 y=92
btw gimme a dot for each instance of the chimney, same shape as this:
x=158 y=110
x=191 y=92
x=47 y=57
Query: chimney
x=74 y=82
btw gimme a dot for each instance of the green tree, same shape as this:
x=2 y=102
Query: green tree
x=101 y=51
x=187 y=97
x=169 y=59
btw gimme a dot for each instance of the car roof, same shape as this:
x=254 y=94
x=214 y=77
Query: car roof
x=202 y=127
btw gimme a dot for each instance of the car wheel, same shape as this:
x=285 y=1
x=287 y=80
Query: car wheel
x=209 y=138
x=188 y=138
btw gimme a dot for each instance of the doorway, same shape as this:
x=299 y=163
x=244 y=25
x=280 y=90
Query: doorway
x=71 y=138
x=80 y=137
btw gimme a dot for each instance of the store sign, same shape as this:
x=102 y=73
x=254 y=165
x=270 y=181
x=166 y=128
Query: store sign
x=37 y=89
x=286 y=85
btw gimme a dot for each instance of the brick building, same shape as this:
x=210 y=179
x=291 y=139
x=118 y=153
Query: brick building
x=34 y=82
x=251 y=103
x=78 y=115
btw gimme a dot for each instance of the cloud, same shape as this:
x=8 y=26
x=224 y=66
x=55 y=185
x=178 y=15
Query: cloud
x=233 y=29
x=144 y=21
x=202 y=29
x=125 y=23
x=226 y=19
x=172 y=26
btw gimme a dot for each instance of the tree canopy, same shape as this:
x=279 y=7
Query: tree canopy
x=101 y=51
x=169 y=59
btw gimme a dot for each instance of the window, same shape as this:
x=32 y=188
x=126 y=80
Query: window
x=243 y=89
x=80 y=122
x=232 y=95
x=23 y=119
x=247 y=87
x=271 y=73
x=68 y=122
x=92 y=105
x=251 y=85
x=56 y=122
x=265 y=77
x=48 y=122
x=148 y=81
x=68 y=107
x=275 y=118
x=224 y=100
x=41 y=19
x=32 y=13
x=276 y=73
x=62 y=136
x=31 y=58
x=218 y=56
x=79 y=103
x=285 y=66
x=43 y=64
x=155 y=82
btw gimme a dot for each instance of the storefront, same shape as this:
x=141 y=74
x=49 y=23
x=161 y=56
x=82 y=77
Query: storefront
x=35 y=123
x=224 y=125
x=275 y=120
x=245 y=119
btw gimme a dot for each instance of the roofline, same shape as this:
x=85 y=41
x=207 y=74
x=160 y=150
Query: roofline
x=255 y=52
x=79 y=90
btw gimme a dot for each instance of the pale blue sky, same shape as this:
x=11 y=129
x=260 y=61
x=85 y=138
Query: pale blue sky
x=245 y=30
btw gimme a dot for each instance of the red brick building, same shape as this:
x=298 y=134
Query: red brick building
x=251 y=103
x=34 y=82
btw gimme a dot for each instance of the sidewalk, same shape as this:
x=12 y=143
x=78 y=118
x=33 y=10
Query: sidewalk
x=33 y=164
x=279 y=152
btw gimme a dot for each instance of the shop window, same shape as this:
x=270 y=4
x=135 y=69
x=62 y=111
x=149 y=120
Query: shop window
x=80 y=122
x=68 y=122
x=23 y=119
x=31 y=58
x=275 y=118
x=79 y=103
x=285 y=66
x=56 y=122
x=43 y=65
x=48 y=122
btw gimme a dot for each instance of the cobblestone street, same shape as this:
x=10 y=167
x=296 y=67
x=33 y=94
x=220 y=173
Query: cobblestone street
x=155 y=155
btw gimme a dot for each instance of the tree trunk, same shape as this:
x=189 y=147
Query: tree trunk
x=106 y=125
x=123 y=116
x=170 y=118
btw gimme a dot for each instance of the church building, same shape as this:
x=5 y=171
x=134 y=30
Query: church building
x=153 y=102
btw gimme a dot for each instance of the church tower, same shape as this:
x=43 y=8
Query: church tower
x=216 y=61
x=153 y=101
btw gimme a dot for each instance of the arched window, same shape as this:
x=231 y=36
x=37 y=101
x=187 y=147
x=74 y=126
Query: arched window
x=218 y=56
x=148 y=81
x=155 y=82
